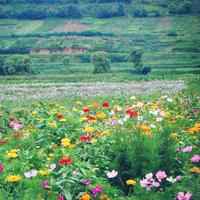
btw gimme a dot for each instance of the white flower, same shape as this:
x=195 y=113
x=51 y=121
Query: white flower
x=112 y=174
x=171 y=179
x=30 y=174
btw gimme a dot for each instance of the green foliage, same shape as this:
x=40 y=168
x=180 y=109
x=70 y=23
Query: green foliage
x=180 y=6
x=15 y=65
x=101 y=62
x=136 y=58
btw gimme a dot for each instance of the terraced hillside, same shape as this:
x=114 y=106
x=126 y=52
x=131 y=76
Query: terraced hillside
x=171 y=44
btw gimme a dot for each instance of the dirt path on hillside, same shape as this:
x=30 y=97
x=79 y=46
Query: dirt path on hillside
x=58 y=91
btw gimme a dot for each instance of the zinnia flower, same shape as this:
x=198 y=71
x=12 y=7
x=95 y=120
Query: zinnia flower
x=13 y=178
x=85 y=196
x=131 y=182
x=65 y=160
x=85 y=138
x=106 y=104
x=184 y=196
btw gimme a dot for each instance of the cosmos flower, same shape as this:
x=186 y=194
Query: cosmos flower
x=184 y=196
x=95 y=191
x=45 y=184
x=15 y=124
x=30 y=174
x=160 y=175
x=195 y=158
x=112 y=174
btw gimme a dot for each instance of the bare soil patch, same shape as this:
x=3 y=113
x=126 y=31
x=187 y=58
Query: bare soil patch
x=19 y=92
x=71 y=27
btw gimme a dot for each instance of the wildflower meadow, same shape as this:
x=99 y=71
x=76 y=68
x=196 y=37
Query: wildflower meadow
x=114 y=148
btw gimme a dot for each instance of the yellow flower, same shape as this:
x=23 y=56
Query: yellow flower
x=12 y=153
x=146 y=129
x=174 y=136
x=89 y=129
x=100 y=115
x=131 y=182
x=65 y=142
x=195 y=170
x=13 y=178
x=85 y=196
x=44 y=172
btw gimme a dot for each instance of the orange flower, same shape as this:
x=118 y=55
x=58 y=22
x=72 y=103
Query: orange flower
x=85 y=196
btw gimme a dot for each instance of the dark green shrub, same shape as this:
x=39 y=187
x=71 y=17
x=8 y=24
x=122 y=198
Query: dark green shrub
x=15 y=65
x=101 y=62
x=136 y=58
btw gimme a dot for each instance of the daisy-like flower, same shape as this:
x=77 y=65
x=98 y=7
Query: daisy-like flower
x=161 y=175
x=184 y=196
x=111 y=174
x=30 y=174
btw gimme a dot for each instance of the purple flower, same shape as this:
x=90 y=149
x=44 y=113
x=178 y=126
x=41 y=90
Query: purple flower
x=61 y=197
x=45 y=184
x=96 y=190
x=160 y=175
x=86 y=182
x=184 y=196
x=195 y=158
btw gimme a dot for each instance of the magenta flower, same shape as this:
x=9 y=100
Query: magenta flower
x=195 y=158
x=95 y=191
x=1 y=168
x=45 y=185
x=184 y=196
x=61 y=197
x=160 y=175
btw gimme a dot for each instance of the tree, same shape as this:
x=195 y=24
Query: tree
x=101 y=62
x=136 y=58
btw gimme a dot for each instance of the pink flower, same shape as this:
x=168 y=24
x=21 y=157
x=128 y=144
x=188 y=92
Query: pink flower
x=112 y=174
x=160 y=175
x=45 y=184
x=186 y=149
x=1 y=168
x=178 y=178
x=61 y=197
x=96 y=190
x=86 y=182
x=184 y=196
x=148 y=182
x=195 y=158
x=15 y=125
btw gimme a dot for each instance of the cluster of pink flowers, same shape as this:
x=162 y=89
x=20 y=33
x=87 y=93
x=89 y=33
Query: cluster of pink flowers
x=1 y=168
x=184 y=196
x=150 y=182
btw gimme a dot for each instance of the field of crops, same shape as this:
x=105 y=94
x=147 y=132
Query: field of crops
x=171 y=44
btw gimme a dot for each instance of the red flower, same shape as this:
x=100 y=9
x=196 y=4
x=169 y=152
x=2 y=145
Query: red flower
x=1 y=168
x=86 y=109
x=131 y=113
x=65 y=160
x=106 y=104
x=59 y=116
x=85 y=138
